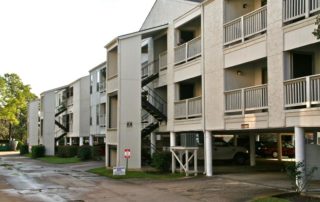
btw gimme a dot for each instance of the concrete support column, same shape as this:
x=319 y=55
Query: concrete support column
x=279 y=145
x=91 y=140
x=300 y=154
x=80 y=141
x=208 y=152
x=152 y=143
x=172 y=144
x=65 y=140
x=252 y=150
x=257 y=138
x=70 y=141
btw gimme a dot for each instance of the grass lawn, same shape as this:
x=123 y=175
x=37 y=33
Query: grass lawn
x=59 y=160
x=136 y=174
x=271 y=199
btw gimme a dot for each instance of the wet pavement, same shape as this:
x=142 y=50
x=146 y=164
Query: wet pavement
x=24 y=179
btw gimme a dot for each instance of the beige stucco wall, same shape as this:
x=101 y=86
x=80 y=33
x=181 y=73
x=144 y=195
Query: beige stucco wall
x=213 y=65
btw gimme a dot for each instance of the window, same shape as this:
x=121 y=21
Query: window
x=91 y=83
x=186 y=91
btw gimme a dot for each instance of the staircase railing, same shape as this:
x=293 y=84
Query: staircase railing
x=148 y=69
x=155 y=99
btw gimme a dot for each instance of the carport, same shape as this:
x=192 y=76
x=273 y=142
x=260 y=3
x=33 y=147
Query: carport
x=301 y=136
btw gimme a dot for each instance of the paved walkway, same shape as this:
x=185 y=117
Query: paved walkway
x=24 y=179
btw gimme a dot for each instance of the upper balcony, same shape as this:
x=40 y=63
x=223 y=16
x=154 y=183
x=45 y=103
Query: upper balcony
x=188 y=41
x=302 y=84
x=294 y=10
x=252 y=96
x=189 y=100
x=243 y=24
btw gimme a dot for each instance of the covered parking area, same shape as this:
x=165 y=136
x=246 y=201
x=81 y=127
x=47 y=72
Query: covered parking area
x=305 y=140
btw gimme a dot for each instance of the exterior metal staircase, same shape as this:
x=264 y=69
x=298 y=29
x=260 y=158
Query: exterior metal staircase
x=61 y=109
x=150 y=100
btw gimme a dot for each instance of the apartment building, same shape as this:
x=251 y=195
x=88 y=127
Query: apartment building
x=224 y=67
x=61 y=116
x=126 y=92
x=98 y=107
x=72 y=113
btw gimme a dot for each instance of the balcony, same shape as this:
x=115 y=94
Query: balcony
x=188 y=108
x=163 y=61
x=295 y=9
x=246 y=99
x=246 y=26
x=102 y=120
x=302 y=92
x=102 y=86
x=187 y=51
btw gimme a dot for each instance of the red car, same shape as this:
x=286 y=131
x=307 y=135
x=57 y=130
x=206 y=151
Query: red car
x=270 y=149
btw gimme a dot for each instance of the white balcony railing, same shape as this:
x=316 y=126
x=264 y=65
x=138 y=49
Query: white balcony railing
x=304 y=91
x=294 y=9
x=187 y=51
x=189 y=108
x=102 y=120
x=163 y=60
x=246 y=26
x=246 y=99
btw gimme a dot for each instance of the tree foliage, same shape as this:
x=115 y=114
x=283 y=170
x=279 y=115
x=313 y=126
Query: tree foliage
x=14 y=98
x=316 y=31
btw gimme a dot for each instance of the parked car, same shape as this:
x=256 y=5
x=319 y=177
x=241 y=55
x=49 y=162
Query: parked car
x=270 y=149
x=222 y=150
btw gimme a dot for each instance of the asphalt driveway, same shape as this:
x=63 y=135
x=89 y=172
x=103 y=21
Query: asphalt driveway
x=24 y=179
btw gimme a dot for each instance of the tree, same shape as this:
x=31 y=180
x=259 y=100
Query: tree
x=316 y=31
x=14 y=98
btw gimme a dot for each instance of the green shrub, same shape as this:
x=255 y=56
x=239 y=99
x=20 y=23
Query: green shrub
x=37 y=151
x=85 y=153
x=19 y=145
x=162 y=161
x=97 y=152
x=67 y=151
x=24 y=149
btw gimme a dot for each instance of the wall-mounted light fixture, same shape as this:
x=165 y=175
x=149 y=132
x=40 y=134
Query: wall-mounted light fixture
x=244 y=4
x=239 y=73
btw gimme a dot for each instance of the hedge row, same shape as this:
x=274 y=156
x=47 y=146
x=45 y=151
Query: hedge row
x=37 y=151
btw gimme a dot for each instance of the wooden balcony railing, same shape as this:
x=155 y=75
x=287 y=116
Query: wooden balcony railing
x=189 y=108
x=246 y=99
x=245 y=26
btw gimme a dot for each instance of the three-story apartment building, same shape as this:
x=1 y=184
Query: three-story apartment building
x=224 y=67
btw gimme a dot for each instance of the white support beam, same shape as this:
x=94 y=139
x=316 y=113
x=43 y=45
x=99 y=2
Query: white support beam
x=80 y=141
x=173 y=144
x=300 y=155
x=208 y=153
x=91 y=140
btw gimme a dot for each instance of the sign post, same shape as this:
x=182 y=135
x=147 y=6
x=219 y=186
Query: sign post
x=127 y=154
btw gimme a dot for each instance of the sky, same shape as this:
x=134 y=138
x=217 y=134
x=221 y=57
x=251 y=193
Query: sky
x=51 y=43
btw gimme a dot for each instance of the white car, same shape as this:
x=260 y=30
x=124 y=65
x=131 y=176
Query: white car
x=222 y=150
